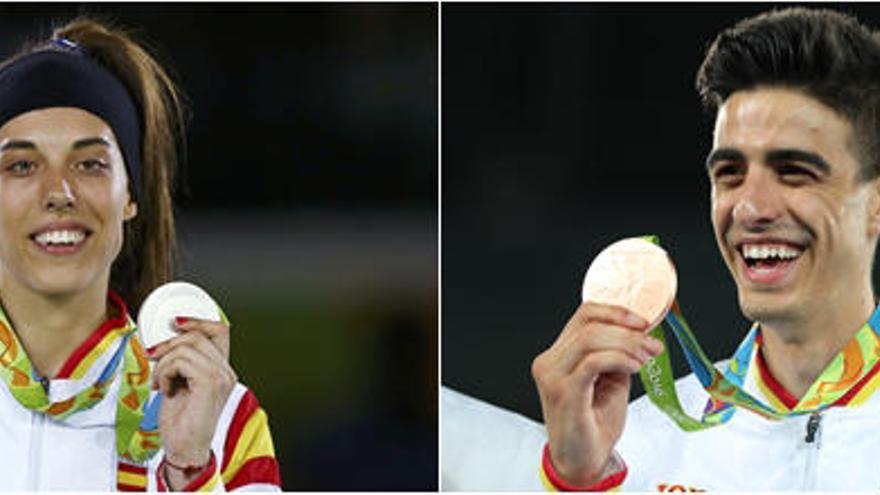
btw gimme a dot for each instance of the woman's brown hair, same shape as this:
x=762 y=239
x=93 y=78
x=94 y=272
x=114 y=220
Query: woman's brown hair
x=148 y=253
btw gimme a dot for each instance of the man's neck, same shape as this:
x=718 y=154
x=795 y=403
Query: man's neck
x=797 y=352
x=51 y=327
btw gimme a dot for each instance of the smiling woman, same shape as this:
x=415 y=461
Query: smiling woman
x=90 y=127
x=63 y=202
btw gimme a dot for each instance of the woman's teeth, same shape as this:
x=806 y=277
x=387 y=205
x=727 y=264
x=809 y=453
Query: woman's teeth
x=55 y=237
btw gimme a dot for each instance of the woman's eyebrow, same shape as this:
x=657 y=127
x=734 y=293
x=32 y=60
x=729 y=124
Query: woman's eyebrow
x=91 y=141
x=20 y=144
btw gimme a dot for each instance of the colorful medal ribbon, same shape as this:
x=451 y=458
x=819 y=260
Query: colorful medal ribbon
x=726 y=389
x=137 y=417
x=137 y=434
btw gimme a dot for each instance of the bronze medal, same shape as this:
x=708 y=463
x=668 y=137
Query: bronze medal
x=633 y=273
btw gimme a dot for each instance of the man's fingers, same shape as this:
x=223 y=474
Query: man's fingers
x=615 y=315
x=602 y=337
x=601 y=362
x=597 y=339
x=589 y=313
x=556 y=365
x=559 y=390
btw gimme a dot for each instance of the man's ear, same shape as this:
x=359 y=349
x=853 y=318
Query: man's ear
x=130 y=211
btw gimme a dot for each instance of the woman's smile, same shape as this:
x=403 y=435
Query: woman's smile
x=63 y=201
x=61 y=238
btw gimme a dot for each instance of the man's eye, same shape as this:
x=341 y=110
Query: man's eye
x=21 y=167
x=793 y=170
x=727 y=172
x=795 y=173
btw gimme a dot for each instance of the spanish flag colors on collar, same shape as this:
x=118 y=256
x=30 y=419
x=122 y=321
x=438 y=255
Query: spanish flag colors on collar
x=84 y=379
x=246 y=458
x=851 y=377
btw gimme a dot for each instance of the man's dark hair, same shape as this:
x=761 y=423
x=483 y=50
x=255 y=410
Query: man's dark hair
x=825 y=54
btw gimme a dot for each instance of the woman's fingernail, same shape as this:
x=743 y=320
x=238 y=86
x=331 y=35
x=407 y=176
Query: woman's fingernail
x=181 y=320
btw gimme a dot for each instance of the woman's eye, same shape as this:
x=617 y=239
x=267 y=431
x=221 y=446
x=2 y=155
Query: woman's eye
x=92 y=165
x=21 y=167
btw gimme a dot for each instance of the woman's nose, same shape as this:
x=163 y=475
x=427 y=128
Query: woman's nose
x=59 y=194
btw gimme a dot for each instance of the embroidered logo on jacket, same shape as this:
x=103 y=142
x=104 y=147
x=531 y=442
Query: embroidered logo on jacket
x=670 y=488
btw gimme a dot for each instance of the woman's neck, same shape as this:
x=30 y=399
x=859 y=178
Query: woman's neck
x=51 y=327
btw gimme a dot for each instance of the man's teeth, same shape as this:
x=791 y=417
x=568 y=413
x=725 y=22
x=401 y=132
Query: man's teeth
x=763 y=252
x=60 y=237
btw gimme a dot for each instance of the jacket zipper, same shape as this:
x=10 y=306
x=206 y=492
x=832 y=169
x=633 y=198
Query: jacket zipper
x=37 y=425
x=813 y=439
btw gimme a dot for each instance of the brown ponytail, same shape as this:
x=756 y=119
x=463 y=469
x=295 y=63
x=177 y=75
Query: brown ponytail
x=148 y=254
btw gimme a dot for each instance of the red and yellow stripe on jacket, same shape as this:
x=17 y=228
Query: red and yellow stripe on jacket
x=248 y=455
x=131 y=478
x=610 y=483
x=242 y=441
x=783 y=400
x=777 y=395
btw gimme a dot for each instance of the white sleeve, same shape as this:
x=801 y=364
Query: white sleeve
x=486 y=448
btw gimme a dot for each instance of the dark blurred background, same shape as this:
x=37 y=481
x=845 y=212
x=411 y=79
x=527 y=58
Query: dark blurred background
x=567 y=127
x=310 y=213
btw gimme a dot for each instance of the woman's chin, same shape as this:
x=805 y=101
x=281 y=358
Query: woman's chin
x=57 y=283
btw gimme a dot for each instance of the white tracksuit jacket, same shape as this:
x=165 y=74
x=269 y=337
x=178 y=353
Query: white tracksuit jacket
x=79 y=453
x=488 y=448
x=38 y=453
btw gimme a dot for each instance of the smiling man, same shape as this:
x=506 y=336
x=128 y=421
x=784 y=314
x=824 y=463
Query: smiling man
x=796 y=221
x=796 y=213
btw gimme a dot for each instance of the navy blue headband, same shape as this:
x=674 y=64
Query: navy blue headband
x=67 y=78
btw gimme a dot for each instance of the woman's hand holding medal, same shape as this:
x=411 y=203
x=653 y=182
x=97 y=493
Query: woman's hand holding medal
x=583 y=379
x=192 y=372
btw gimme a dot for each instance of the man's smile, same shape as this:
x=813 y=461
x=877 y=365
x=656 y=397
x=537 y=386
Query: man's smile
x=768 y=261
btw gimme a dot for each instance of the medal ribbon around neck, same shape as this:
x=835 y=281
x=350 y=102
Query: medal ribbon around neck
x=137 y=435
x=726 y=389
